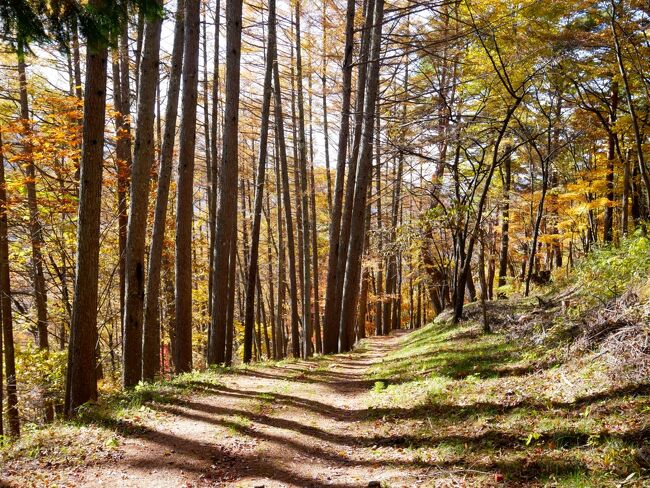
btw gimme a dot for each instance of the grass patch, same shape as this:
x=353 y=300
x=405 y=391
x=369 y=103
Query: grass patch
x=482 y=404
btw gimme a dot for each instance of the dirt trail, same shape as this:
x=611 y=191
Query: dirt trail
x=302 y=424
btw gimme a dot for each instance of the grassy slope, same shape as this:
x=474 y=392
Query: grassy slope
x=473 y=405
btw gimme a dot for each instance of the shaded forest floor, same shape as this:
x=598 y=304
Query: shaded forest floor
x=442 y=406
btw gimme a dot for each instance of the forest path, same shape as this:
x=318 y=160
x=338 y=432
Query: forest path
x=292 y=424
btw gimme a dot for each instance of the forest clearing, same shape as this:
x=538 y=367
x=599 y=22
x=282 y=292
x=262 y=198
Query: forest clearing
x=364 y=243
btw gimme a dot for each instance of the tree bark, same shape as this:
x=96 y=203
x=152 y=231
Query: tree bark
x=35 y=226
x=331 y=318
x=81 y=381
x=227 y=209
x=608 y=219
x=353 y=267
x=346 y=218
x=7 y=340
x=151 y=339
x=140 y=176
x=326 y=138
x=638 y=139
x=307 y=349
x=286 y=200
x=185 y=192
x=252 y=275
x=505 y=220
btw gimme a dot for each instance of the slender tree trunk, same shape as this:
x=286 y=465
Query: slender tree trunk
x=352 y=270
x=536 y=227
x=346 y=219
x=626 y=194
x=122 y=168
x=459 y=292
x=7 y=341
x=185 y=192
x=124 y=154
x=225 y=236
x=81 y=381
x=139 y=205
x=279 y=320
x=230 y=312
x=35 y=226
x=151 y=340
x=505 y=219
x=209 y=163
x=638 y=139
x=253 y=272
x=314 y=253
x=362 y=310
x=297 y=184
x=379 y=328
x=76 y=58
x=286 y=201
x=307 y=348
x=323 y=76
x=331 y=318
x=214 y=156
x=608 y=219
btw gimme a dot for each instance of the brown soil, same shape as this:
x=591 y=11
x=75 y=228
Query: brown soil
x=302 y=424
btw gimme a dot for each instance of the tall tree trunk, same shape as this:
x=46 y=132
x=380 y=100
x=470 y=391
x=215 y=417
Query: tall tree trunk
x=209 y=163
x=185 y=192
x=362 y=309
x=638 y=139
x=352 y=270
x=214 y=155
x=230 y=312
x=379 y=329
x=151 y=339
x=536 y=227
x=346 y=218
x=81 y=380
x=626 y=194
x=139 y=204
x=307 y=348
x=314 y=253
x=505 y=220
x=122 y=168
x=279 y=320
x=331 y=318
x=252 y=275
x=7 y=341
x=35 y=226
x=124 y=153
x=76 y=58
x=326 y=139
x=225 y=236
x=286 y=201
x=608 y=219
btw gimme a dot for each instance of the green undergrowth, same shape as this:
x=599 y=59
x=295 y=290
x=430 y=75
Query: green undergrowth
x=484 y=405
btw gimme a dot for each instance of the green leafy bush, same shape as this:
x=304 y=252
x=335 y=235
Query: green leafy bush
x=41 y=380
x=609 y=271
